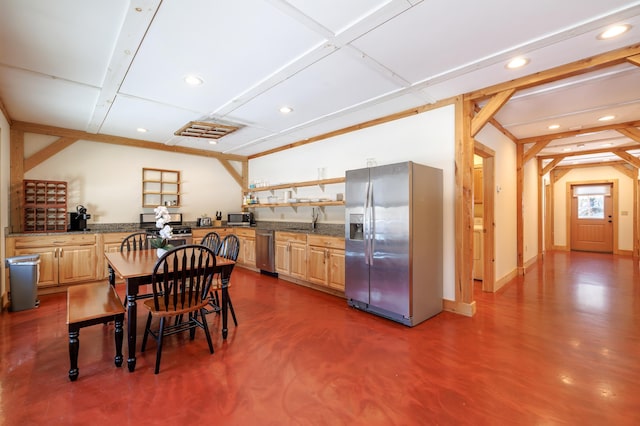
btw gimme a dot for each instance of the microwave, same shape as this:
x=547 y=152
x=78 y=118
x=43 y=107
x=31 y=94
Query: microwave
x=240 y=219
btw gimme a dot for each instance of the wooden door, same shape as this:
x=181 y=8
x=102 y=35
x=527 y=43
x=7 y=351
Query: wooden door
x=592 y=222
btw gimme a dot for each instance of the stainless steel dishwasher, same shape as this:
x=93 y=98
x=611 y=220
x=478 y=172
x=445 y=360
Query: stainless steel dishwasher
x=265 y=251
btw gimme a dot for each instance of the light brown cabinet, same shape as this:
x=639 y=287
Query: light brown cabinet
x=64 y=260
x=291 y=254
x=247 y=253
x=478 y=185
x=325 y=263
x=44 y=206
x=111 y=243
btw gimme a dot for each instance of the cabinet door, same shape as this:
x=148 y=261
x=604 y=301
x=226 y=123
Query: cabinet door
x=282 y=257
x=317 y=265
x=76 y=264
x=48 y=267
x=298 y=260
x=250 y=252
x=109 y=248
x=335 y=277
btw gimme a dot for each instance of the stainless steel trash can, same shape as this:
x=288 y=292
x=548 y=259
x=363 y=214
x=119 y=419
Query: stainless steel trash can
x=23 y=281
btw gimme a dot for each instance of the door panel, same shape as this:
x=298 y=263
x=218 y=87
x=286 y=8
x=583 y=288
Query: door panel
x=592 y=223
x=391 y=222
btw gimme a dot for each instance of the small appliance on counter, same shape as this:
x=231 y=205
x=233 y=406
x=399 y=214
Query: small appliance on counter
x=241 y=219
x=78 y=219
x=203 y=221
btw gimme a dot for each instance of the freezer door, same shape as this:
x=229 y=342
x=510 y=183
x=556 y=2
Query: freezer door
x=356 y=267
x=389 y=270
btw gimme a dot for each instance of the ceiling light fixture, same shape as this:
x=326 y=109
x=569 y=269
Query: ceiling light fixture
x=213 y=142
x=608 y=144
x=580 y=145
x=141 y=130
x=518 y=62
x=553 y=127
x=566 y=149
x=607 y=118
x=614 y=31
x=286 y=109
x=193 y=80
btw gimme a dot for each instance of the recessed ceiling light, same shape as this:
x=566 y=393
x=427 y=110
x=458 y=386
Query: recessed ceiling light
x=614 y=31
x=286 y=109
x=141 y=130
x=518 y=62
x=607 y=118
x=566 y=149
x=580 y=145
x=193 y=80
x=213 y=142
x=608 y=144
x=553 y=127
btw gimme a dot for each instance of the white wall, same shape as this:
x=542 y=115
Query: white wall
x=591 y=174
x=107 y=179
x=506 y=243
x=426 y=138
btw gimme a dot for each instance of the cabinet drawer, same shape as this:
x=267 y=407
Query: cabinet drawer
x=291 y=236
x=243 y=232
x=115 y=237
x=325 y=241
x=62 y=240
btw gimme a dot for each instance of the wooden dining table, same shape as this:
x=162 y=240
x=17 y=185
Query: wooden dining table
x=136 y=268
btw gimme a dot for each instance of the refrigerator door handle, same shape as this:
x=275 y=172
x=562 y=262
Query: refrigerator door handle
x=365 y=224
x=370 y=223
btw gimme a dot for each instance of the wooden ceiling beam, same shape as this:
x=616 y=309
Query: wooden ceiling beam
x=47 y=152
x=570 y=133
x=117 y=140
x=552 y=165
x=589 y=151
x=634 y=161
x=534 y=150
x=489 y=110
x=634 y=59
x=593 y=63
x=500 y=127
x=631 y=133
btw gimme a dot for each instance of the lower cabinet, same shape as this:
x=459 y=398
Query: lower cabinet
x=291 y=254
x=110 y=243
x=247 y=253
x=64 y=260
x=199 y=233
x=325 y=263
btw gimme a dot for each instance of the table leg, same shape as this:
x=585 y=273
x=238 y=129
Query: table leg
x=74 y=345
x=224 y=279
x=112 y=276
x=118 y=338
x=132 y=312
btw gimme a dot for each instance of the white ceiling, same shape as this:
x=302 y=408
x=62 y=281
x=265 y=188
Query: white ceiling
x=110 y=67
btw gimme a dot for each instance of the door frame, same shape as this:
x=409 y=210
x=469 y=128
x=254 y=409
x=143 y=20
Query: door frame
x=614 y=202
x=488 y=223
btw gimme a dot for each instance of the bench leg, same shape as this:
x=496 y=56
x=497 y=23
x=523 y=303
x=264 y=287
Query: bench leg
x=74 y=346
x=119 y=319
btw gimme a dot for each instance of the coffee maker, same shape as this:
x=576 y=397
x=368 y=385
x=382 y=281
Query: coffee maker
x=78 y=219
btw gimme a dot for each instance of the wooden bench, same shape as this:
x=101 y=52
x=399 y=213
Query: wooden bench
x=91 y=304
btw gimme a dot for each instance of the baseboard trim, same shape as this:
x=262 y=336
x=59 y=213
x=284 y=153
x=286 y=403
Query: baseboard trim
x=505 y=279
x=460 y=308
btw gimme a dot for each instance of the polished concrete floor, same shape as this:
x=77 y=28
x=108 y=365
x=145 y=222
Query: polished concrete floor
x=560 y=345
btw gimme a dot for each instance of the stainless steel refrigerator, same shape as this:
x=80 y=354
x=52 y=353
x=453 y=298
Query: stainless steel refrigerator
x=393 y=241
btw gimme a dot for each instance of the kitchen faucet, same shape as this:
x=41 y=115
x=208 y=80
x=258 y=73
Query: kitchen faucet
x=314 y=217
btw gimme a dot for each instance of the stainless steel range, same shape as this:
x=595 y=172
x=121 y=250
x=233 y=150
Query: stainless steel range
x=181 y=233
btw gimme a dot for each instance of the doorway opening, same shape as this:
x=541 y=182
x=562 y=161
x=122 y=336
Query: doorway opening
x=484 y=217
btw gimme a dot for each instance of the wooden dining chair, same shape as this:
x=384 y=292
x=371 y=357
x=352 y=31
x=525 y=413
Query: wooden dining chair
x=135 y=241
x=211 y=240
x=229 y=249
x=181 y=281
